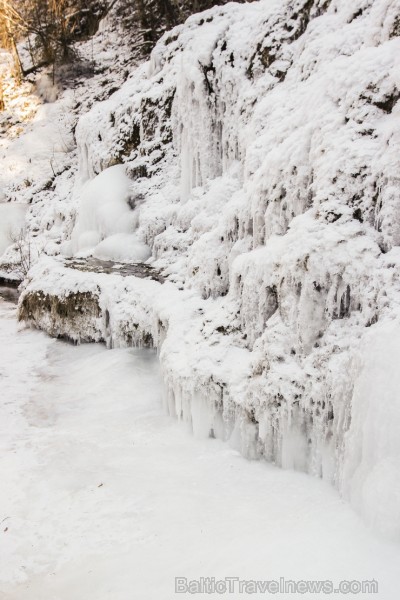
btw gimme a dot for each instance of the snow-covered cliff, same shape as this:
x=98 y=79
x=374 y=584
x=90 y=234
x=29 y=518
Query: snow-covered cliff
x=262 y=144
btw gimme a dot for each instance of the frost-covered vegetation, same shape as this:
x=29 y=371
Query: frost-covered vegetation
x=261 y=145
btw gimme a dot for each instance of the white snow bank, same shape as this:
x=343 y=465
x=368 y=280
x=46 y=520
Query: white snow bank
x=12 y=219
x=106 y=222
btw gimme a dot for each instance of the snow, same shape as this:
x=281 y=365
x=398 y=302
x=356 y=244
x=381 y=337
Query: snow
x=30 y=161
x=37 y=142
x=122 y=247
x=12 y=221
x=105 y=219
x=261 y=145
x=20 y=101
x=104 y=496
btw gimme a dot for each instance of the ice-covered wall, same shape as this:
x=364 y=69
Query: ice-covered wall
x=263 y=148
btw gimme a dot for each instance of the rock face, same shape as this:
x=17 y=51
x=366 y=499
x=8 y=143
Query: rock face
x=263 y=148
x=73 y=316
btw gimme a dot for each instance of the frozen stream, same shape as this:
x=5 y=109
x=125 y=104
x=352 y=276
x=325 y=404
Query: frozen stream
x=104 y=497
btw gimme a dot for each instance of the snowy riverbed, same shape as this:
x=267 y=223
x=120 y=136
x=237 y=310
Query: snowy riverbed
x=103 y=496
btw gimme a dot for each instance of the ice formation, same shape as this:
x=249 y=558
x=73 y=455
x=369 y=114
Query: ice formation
x=262 y=146
x=105 y=221
x=12 y=221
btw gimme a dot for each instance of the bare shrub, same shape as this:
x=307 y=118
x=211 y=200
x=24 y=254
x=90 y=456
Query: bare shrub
x=24 y=250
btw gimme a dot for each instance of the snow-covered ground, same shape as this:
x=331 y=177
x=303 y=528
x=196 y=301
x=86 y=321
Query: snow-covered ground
x=103 y=496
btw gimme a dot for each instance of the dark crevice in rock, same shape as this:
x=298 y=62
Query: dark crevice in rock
x=206 y=70
x=389 y=102
x=356 y=15
x=395 y=30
